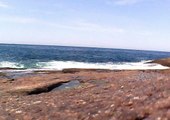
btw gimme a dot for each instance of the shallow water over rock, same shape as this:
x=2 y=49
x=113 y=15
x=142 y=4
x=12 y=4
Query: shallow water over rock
x=68 y=85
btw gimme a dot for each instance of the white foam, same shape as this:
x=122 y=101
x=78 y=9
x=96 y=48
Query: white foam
x=60 y=65
x=6 y=64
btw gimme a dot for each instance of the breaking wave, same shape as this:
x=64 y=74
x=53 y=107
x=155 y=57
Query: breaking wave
x=60 y=65
x=6 y=64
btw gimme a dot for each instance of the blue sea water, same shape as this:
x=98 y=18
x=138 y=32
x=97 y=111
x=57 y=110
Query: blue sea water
x=60 y=57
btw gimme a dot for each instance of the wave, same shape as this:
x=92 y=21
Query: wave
x=6 y=64
x=60 y=65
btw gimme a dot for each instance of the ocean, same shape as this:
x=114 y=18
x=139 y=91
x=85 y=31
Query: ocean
x=43 y=57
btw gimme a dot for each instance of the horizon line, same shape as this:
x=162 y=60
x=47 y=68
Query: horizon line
x=79 y=46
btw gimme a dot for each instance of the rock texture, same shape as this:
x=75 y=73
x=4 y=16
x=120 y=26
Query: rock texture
x=101 y=95
x=164 y=62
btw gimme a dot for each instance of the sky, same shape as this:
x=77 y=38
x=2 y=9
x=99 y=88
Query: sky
x=128 y=24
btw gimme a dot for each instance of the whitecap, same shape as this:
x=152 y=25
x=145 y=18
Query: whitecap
x=60 y=65
x=7 y=64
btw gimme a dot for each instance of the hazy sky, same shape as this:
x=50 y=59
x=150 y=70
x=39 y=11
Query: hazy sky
x=134 y=24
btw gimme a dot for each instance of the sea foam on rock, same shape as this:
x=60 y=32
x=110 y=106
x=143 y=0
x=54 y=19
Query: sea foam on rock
x=164 y=62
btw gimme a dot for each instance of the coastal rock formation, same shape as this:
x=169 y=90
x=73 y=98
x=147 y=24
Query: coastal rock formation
x=30 y=84
x=101 y=94
x=164 y=62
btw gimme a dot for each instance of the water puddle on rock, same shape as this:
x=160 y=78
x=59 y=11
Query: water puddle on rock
x=68 y=85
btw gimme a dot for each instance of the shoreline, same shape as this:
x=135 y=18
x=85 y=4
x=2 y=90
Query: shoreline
x=60 y=65
x=92 y=94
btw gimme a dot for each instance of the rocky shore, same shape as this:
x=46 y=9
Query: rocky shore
x=77 y=94
x=102 y=94
x=164 y=62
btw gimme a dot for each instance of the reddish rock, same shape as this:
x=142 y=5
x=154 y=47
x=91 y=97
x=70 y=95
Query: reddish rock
x=164 y=62
x=102 y=94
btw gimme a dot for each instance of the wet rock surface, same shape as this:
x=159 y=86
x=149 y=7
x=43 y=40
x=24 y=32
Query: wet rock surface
x=97 y=94
x=164 y=62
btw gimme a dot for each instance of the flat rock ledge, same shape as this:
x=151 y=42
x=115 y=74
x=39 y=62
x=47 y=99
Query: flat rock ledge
x=36 y=88
x=102 y=94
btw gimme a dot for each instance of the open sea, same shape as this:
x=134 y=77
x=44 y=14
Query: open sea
x=33 y=57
